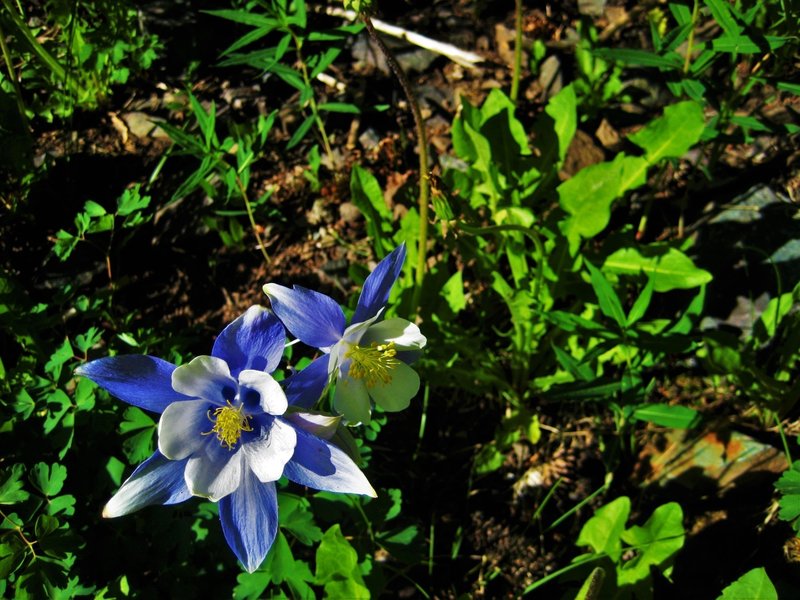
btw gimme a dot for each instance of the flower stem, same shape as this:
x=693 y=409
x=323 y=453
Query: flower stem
x=312 y=103
x=422 y=144
x=517 y=51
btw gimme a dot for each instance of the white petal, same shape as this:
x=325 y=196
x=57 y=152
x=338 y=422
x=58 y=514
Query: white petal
x=273 y=399
x=396 y=395
x=206 y=377
x=354 y=333
x=268 y=456
x=404 y=334
x=321 y=425
x=181 y=428
x=214 y=472
x=351 y=400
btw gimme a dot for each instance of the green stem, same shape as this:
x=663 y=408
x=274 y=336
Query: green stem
x=298 y=44
x=250 y=216
x=687 y=63
x=12 y=77
x=571 y=567
x=517 y=51
x=422 y=143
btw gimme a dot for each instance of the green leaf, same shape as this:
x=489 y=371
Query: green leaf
x=639 y=307
x=296 y=517
x=11 y=490
x=667 y=267
x=676 y=417
x=48 y=479
x=753 y=584
x=671 y=135
x=607 y=297
x=640 y=58
x=602 y=533
x=563 y=108
x=789 y=487
x=742 y=44
x=337 y=567
x=139 y=445
x=93 y=209
x=367 y=195
x=453 y=292
x=587 y=196
x=656 y=543
x=300 y=132
x=340 y=107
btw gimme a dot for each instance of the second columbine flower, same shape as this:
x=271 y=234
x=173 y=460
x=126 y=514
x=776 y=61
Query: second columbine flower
x=367 y=360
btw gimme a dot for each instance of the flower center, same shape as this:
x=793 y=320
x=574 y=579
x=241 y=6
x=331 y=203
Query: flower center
x=373 y=363
x=229 y=423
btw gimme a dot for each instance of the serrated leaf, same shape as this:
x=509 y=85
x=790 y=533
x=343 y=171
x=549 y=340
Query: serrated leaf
x=11 y=491
x=671 y=135
x=668 y=267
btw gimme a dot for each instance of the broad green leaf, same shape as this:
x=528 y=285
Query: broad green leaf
x=93 y=209
x=656 y=542
x=587 y=196
x=48 y=479
x=668 y=267
x=676 y=417
x=453 y=292
x=11 y=490
x=755 y=584
x=671 y=135
x=337 y=567
x=789 y=487
x=296 y=517
x=602 y=533
x=607 y=298
x=139 y=445
x=580 y=371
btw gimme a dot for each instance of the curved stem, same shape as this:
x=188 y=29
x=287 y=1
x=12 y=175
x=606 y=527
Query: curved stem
x=422 y=144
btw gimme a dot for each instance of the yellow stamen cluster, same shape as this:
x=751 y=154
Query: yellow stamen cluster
x=229 y=423
x=373 y=363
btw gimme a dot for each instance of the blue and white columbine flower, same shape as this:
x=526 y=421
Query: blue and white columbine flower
x=225 y=433
x=367 y=360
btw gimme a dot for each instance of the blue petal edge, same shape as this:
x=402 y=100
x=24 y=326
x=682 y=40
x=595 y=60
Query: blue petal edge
x=249 y=518
x=320 y=465
x=375 y=293
x=255 y=340
x=157 y=480
x=143 y=381
x=313 y=318
x=305 y=387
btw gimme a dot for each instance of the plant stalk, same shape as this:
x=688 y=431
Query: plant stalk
x=517 y=51
x=422 y=144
